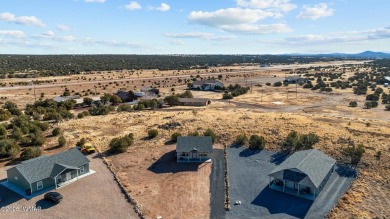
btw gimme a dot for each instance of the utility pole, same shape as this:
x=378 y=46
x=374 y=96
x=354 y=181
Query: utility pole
x=287 y=93
x=261 y=99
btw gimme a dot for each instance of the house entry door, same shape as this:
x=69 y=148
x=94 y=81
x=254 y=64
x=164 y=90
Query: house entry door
x=68 y=176
x=194 y=155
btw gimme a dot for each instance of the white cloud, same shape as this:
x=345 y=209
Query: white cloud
x=49 y=33
x=22 y=20
x=63 y=27
x=199 y=35
x=278 y=5
x=317 y=11
x=133 y=6
x=13 y=33
x=176 y=42
x=163 y=7
x=239 y=20
x=337 y=37
x=95 y=1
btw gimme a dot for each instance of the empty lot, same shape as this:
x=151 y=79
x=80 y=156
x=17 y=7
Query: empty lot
x=249 y=183
x=94 y=196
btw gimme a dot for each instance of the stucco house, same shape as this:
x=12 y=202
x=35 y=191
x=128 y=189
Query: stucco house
x=304 y=173
x=48 y=172
x=194 y=148
x=207 y=85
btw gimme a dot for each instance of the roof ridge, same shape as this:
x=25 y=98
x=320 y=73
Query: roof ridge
x=312 y=150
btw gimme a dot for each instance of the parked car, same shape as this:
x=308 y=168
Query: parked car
x=54 y=197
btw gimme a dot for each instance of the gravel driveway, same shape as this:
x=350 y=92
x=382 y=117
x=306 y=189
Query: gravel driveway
x=248 y=177
x=94 y=196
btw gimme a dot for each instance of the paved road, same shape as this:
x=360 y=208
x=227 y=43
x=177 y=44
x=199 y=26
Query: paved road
x=217 y=187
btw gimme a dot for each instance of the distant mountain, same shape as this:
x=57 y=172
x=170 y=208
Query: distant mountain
x=362 y=55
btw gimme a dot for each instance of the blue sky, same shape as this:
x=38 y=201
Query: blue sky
x=193 y=26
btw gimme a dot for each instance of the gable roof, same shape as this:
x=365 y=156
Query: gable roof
x=43 y=167
x=60 y=99
x=193 y=100
x=199 y=143
x=314 y=163
x=210 y=81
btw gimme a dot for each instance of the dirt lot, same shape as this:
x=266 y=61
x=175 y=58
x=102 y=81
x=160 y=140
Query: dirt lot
x=366 y=197
x=94 y=196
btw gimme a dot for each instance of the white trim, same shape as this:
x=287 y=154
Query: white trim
x=39 y=185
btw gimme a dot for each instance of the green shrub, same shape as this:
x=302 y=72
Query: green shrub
x=83 y=114
x=241 y=140
x=387 y=107
x=195 y=133
x=353 y=104
x=227 y=96
x=56 y=131
x=3 y=132
x=152 y=133
x=210 y=133
x=61 y=141
x=125 y=108
x=4 y=115
x=81 y=142
x=31 y=152
x=120 y=145
x=256 y=142
x=9 y=148
x=174 y=136
x=37 y=139
x=278 y=84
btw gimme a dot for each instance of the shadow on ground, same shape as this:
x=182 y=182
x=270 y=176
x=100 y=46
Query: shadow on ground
x=167 y=164
x=43 y=204
x=248 y=152
x=346 y=171
x=8 y=197
x=281 y=203
x=278 y=157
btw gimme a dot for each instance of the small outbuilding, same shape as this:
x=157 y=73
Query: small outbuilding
x=60 y=99
x=194 y=101
x=194 y=148
x=303 y=174
x=46 y=172
x=295 y=80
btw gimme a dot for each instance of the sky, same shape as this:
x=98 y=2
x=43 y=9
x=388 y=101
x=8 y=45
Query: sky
x=193 y=26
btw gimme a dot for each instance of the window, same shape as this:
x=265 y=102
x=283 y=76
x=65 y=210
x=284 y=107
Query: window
x=81 y=169
x=39 y=185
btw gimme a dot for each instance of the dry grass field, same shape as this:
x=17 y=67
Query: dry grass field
x=368 y=196
x=163 y=188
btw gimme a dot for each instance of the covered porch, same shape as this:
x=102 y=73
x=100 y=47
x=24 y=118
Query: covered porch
x=192 y=156
x=292 y=188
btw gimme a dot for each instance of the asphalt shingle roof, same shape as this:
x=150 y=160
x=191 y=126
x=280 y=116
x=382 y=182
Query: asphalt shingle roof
x=314 y=163
x=199 y=143
x=194 y=100
x=211 y=81
x=50 y=166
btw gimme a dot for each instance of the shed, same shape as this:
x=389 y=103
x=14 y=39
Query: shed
x=194 y=101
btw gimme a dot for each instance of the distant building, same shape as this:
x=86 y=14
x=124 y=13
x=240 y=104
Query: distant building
x=207 y=85
x=303 y=174
x=295 y=80
x=61 y=99
x=125 y=96
x=194 y=101
x=194 y=148
x=48 y=172
x=264 y=65
x=150 y=91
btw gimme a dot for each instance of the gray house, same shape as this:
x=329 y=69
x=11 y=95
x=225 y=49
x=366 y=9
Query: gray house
x=47 y=172
x=207 y=85
x=194 y=148
x=295 y=79
x=304 y=173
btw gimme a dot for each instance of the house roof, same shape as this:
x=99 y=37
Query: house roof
x=295 y=77
x=146 y=89
x=43 y=167
x=211 y=81
x=199 y=143
x=387 y=78
x=313 y=163
x=123 y=94
x=193 y=100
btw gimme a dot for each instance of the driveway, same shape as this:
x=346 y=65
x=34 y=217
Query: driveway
x=248 y=177
x=94 y=196
x=217 y=185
